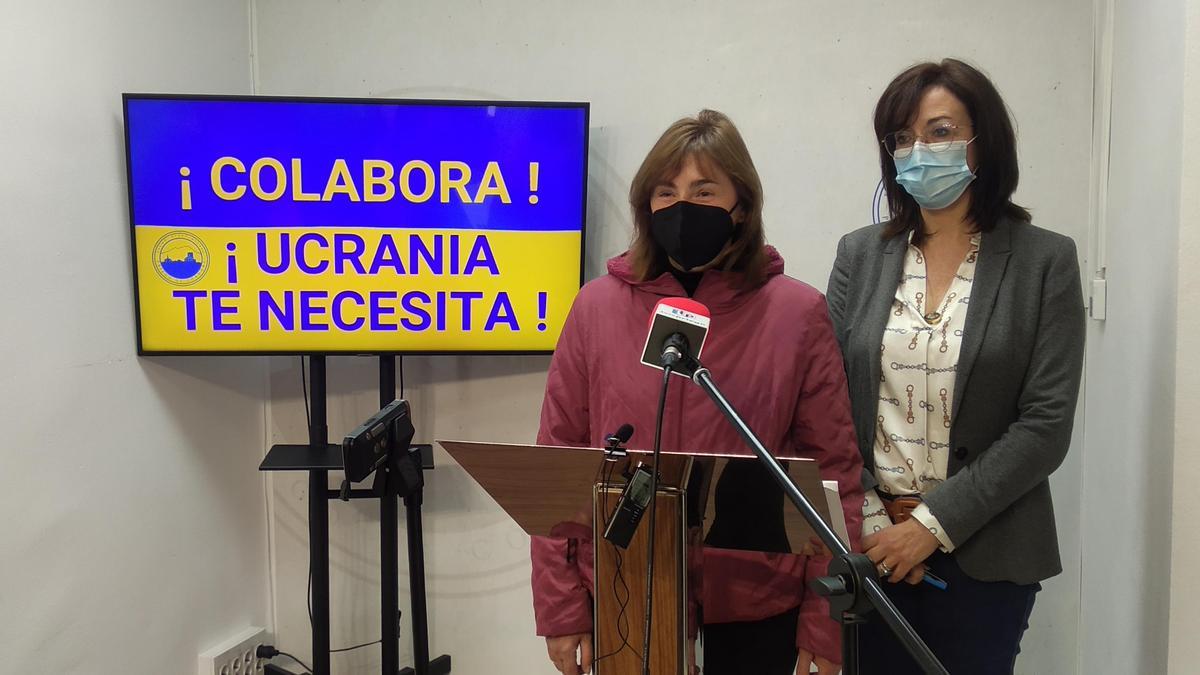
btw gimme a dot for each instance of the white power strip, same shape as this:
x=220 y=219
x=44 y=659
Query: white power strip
x=235 y=656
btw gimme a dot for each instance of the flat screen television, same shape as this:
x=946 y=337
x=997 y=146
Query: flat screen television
x=268 y=225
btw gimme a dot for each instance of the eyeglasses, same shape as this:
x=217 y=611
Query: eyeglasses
x=938 y=138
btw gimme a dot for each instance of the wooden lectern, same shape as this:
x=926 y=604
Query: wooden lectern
x=541 y=487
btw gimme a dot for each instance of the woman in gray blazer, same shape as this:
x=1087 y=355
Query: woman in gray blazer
x=962 y=328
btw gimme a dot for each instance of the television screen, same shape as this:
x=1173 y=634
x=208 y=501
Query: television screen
x=289 y=226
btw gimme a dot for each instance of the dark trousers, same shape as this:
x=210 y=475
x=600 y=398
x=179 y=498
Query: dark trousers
x=974 y=627
x=766 y=647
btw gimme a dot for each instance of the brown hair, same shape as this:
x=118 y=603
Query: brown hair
x=713 y=140
x=996 y=148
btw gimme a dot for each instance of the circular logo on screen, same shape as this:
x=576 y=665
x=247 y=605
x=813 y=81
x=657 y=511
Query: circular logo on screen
x=180 y=258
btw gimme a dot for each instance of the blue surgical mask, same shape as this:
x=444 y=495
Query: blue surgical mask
x=935 y=179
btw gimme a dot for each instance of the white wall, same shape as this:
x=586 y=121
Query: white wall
x=800 y=79
x=133 y=529
x=143 y=541
x=1131 y=374
x=477 y=559
x=1184 y=649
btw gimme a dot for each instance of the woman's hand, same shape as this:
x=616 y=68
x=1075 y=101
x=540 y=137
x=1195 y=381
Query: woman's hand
x=824 y=667
x=571 y=654
x=901 y=548
x=915 y=575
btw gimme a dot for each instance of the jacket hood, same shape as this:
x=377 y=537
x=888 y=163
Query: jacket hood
x=719 y=290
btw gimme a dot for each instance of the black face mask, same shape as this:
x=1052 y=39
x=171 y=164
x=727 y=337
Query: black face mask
x=692 y=234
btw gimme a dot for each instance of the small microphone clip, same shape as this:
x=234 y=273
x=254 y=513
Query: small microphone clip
x=613 y=449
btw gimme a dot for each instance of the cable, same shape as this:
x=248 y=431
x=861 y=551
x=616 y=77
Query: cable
x=308 y=421
x=310 y=623
x=304 y=386
x=622 y=595
x=400 y=368
x=269 y=652
x=618 y=575
x=658 y=424
x=308 y=418
x=302 y=664
x=350 y=649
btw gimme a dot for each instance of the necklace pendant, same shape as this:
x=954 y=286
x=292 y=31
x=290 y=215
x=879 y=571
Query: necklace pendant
x=933 y=318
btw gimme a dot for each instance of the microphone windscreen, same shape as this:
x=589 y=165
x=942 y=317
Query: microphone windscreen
x=624 y=433
x=675 y=315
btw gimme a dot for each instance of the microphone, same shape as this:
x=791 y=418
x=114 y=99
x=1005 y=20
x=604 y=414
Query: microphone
x=675 y=348
x=678 y=327
x=621 y=436
x=615 y=440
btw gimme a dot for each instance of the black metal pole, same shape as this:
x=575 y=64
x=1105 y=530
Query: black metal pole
x=389 y=539
x=318 y=521
x=647 y=625
x=416 y=581
x=850 y=647
x=867 y=584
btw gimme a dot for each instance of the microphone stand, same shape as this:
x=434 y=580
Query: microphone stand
x=852 y=586
x=668 y=367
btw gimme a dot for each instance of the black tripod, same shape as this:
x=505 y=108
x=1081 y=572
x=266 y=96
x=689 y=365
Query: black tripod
x=402 y=476
x=852 y=586
x=399 y=475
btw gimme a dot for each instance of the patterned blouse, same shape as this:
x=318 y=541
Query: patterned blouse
x=919 y=357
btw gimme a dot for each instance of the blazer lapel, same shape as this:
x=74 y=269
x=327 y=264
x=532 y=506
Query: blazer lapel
x=875 y=316
x=994 y=250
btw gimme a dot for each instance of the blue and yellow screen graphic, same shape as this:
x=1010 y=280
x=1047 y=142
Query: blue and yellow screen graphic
x=281 y=225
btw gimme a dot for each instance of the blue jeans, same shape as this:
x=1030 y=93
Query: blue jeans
x=974 y=627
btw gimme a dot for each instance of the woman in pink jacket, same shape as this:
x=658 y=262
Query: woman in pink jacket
x=697 y=206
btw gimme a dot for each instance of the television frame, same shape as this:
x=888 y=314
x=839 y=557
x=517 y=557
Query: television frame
x=137 y=310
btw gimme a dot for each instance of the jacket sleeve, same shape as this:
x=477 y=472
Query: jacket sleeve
x=561 y=580
x=562 y=562
x=823 y=430
x=1037 y=442
x=836 y=294
x=837 y=288
x=565 y=404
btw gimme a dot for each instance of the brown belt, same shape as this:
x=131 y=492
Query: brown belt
x=899 y=508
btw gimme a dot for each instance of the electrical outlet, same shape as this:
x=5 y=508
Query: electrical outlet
x=235 y=656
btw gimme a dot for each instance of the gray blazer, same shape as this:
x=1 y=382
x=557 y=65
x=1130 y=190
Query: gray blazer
x=1014 y=395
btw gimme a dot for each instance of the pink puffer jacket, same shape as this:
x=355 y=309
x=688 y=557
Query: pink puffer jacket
x=773 y=353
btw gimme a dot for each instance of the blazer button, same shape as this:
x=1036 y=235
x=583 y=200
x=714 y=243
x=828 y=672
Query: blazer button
x=960 y=453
